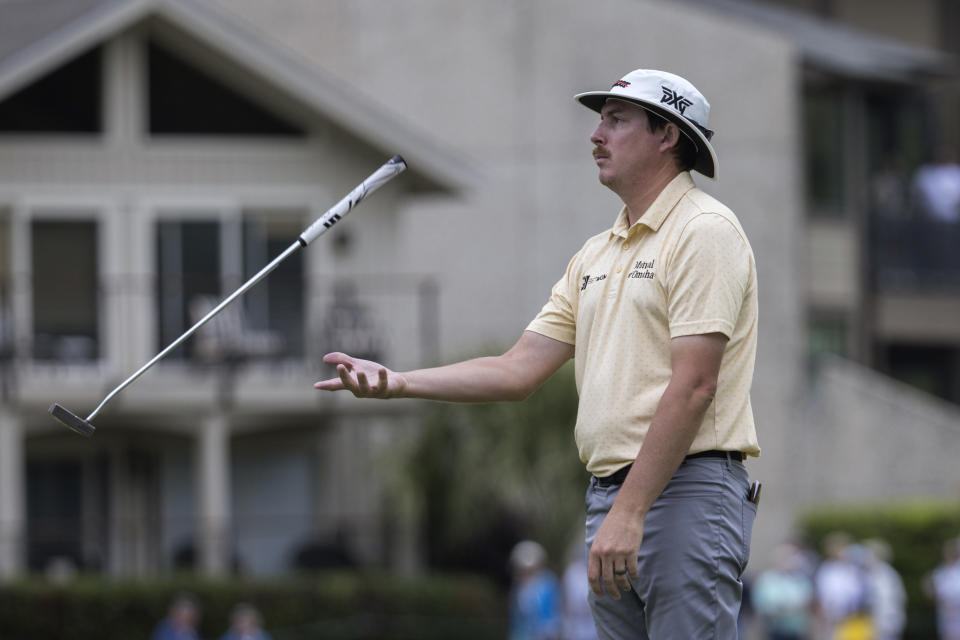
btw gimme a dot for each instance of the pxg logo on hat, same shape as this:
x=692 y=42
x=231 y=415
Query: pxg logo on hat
x=671 y=97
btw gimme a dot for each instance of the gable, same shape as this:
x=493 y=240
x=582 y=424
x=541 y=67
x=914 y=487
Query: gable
x=65 y=100
x=296 y=94
x=183 y=99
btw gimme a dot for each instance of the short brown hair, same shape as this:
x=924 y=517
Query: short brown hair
x=684 y=152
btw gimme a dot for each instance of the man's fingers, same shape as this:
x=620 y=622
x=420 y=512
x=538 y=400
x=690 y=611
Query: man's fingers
x=621 y=575
x=593 y=574
x=632 y=569
x=336 y=358
x=355 y=376
x=362 y=385
x=382 y=384
x=609 y=583
x=333 y=384
x=345 y=378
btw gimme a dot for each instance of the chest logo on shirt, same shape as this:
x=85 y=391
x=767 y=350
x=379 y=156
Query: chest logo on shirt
x=643 y=269
x=588 y=279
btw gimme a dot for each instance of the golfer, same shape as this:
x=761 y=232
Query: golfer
x=659 y=313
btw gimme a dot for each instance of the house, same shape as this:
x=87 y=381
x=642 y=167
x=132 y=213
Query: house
x=153 y=156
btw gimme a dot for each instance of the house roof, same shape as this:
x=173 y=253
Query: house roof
x=838 y=48
x=37 y=36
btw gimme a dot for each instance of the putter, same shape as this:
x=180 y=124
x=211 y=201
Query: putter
x=377 y=179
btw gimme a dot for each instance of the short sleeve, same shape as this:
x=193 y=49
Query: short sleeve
x=708 y=277
x=558 y=318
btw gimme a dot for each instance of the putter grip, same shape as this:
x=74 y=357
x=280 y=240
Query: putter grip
x=392 y=168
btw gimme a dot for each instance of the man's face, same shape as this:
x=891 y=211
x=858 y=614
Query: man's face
x=625 y=149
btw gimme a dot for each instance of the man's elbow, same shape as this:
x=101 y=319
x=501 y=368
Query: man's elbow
x=701 y=390
x=519 y=392
x=706 y=392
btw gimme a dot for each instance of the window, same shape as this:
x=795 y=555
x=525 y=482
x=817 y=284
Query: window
x=6 y=313
x=65 y=290
x=66 y=100
x=188 y=267
x=54 y=512
x=196 y=271
x=825 y=149
x=828 y=333
x=275 y=306
x=933 y=368
x=184 y=100
x=67 y=504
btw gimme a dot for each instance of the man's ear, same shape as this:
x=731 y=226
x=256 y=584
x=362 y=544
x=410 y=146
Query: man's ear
x=670 y=136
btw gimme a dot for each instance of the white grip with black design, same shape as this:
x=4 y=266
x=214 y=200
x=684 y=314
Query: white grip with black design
x=392 y=168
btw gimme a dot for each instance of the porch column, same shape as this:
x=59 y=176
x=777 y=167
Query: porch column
x=213 y=474
x=12 y=515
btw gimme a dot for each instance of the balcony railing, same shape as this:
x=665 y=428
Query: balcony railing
x=376 y=316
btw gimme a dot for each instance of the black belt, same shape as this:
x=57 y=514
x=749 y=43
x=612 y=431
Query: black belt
x=617 y=477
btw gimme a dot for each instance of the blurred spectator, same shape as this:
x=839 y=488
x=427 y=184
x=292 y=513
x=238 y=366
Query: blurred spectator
x=858 y=624
x=839 y=586
x=577 y=617
x=936 y=187
x=944 y=587
x=889 y=189
x=181 y=620
x=534 y=596
x=856 y=627
x=782 y=597
x=245 y=624
x=745 y=617
x=888 y=597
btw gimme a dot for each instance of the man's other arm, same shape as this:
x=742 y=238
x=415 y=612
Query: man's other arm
x=695 y=363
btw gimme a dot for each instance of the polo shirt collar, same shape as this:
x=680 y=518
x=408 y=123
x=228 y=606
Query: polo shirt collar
x=658 y=211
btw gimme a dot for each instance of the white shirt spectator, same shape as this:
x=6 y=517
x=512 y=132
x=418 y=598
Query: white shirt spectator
x=936 y=187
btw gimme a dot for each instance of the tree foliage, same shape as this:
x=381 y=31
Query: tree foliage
x=489 y=475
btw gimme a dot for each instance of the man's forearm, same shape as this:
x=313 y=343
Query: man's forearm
x=511 y=376
x=488 y=379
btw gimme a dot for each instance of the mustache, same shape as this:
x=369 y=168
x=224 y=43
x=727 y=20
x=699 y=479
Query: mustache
x=599 y=151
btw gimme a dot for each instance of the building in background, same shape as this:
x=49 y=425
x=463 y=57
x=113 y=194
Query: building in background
x=153 y=156
x=155 y=153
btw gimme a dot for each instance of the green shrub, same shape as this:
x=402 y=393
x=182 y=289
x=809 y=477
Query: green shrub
x=915 y=531
x=343 y=606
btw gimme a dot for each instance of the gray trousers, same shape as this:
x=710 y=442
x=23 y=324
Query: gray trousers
x=696 y=542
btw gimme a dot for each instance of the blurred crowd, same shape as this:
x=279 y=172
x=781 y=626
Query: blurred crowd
x=543 y=606
x=932 y=192
x=850 y=593
x=916 y=217
x=184 y=615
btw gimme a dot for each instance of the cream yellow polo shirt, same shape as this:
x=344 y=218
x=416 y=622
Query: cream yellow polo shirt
x=685 y=268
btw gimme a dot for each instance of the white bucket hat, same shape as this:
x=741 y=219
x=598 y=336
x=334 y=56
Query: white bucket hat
x=671 y=97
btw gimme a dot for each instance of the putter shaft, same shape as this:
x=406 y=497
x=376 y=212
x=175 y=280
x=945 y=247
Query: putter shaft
x=337 y=212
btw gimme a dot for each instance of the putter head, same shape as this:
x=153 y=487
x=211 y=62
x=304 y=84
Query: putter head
x=72 y=422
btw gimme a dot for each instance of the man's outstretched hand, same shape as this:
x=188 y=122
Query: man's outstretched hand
x=362 y=378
